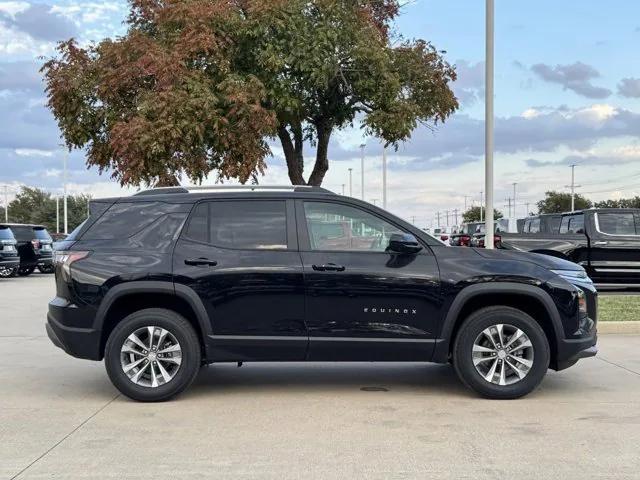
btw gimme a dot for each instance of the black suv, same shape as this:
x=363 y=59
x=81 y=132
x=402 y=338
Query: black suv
x=35 y=247
x=163 y=282
x=9 y=259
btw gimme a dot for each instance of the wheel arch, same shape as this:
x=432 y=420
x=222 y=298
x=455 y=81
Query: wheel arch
x=129 y=297
x=528 y=298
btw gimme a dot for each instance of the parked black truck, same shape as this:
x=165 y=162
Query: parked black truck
x=605 y=241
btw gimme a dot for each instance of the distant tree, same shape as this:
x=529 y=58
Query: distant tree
x=33 y=205
x=200 y=86
x=473 y=215
x=622 y=203
x=558 y=202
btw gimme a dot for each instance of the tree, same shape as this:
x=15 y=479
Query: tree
x=558 y=202
x=33 y=205
x=473 y=215
x=197 y=86
x=621 y=203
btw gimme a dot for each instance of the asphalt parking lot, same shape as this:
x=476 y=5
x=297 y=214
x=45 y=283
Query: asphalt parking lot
x=61 y=418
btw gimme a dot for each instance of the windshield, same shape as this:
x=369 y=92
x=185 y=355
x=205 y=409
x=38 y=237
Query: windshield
x=42 y=234
x=6 y=234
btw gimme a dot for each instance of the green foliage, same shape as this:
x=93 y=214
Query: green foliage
x=473 y=215
x=200 y=85
x=621 y=203
x=558 y=202
x=33 y=205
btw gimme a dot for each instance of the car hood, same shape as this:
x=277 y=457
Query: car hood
x=545 y=261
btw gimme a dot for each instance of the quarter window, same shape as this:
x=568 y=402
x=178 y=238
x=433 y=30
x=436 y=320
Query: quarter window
x=248 y=225
x=333 y=226
x=534 y=227
x=618 y=223
x=572 y=224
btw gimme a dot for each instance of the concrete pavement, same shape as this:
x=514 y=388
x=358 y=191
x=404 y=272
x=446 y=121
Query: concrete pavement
x=61 y=418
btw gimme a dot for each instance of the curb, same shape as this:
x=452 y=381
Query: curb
x=606 y=328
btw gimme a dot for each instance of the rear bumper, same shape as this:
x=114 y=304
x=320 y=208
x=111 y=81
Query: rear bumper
x=78 y=342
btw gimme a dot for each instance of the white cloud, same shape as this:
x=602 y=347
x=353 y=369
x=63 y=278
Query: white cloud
x=33 y=152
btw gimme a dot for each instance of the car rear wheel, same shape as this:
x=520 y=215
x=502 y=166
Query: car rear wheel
x=501 y=352
x=7 y=272
x=46 y=268
x=153 y=355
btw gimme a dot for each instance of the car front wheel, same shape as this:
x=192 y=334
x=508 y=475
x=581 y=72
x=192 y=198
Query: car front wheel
x=501 y=353
x=152 y=355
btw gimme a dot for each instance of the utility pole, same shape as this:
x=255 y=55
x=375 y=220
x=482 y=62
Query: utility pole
x=481 y=192
x=514 y=201
x=455 y=212
x=447 y=213
x=384 y=177
x=509 y=205
x=488 y=124
x=438 y=217
x=527 y=204
x=362 y=168
x=413 y=219
x=350 y=182
x=465 y=202
x=374 y=200
x=6 y=203
x=573 y=186
x=66 y=158
x=343 y=189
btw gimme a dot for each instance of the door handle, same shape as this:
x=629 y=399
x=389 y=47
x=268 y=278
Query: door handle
x=600 y=243
x=200 y=262
x=328 y=267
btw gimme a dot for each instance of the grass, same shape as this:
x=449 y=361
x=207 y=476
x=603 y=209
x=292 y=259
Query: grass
x=621 y=308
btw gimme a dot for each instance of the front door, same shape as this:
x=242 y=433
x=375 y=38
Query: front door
x=240 y=257
x=363 y=302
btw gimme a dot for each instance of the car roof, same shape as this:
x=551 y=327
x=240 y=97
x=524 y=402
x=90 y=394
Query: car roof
x=32 y=225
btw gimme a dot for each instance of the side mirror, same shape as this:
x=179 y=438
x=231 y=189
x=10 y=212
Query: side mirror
x=403 y=243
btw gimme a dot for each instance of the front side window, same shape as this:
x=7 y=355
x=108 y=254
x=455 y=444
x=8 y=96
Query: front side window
x=618 y=223
x=333 y=226
x=249 y=225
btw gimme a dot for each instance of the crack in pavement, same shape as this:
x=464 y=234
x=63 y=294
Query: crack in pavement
x=618 y=365
x=82 y=424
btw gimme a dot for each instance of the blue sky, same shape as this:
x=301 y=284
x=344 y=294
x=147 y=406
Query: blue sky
x=567 y=91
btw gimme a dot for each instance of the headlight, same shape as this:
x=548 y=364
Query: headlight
x=573 y=275
x=582 y=301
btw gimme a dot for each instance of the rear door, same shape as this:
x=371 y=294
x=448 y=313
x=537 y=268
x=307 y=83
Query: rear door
x=615 y=247
x=364 y=303
x=241 y=257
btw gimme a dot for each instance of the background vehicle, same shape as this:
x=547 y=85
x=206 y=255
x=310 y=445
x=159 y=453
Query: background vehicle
x=299 y=273
x=606 y=242
x=34 y=245
x=9 y=259
x=444 y=233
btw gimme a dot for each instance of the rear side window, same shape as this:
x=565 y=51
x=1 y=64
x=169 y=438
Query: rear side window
x=534 y=227
x=573 y=224
x=248 y=225
x=554 y=224
x=618 y=223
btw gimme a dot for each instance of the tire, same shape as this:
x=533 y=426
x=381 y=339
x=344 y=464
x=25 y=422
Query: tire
x=523 y=367
x=179 y=331
x=46 y=269
x=7 y=272
x=25 y=271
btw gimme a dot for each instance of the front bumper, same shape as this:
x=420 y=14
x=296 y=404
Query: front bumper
x=9 y=262
x=572 y=350
x=61 y=330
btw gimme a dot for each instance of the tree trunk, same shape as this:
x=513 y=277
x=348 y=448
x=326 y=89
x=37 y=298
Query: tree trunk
x=293 y=153
x=322 y=161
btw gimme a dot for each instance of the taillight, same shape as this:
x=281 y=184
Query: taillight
x=65 y=259
x=36 y=244
x=444 y=238
x=465 y=240
x=496 y=240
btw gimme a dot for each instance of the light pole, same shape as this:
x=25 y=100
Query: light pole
x=66 y=158
x=343 y=189
x=515 y=217
x=362 y=168
x=57 y=213
x=384 y=177
x=488 y=120
x=351 y=182
x=573 y=186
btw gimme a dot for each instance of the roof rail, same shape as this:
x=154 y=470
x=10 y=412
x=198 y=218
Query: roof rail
x=241 y=188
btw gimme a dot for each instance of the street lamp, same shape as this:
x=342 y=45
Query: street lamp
x=350 y=182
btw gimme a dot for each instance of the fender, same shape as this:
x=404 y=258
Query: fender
x=441 y=351
x=144 y=286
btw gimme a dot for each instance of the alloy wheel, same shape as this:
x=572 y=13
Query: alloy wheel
x=151 y=356
x=502 y=354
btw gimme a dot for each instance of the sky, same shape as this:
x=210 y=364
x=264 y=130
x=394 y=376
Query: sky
x=567 y=91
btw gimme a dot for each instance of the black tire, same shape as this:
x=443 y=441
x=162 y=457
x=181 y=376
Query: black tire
x=7 y=272
x=25 y=271
x=46 y=268
x=463 y=352
x=187 y=338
